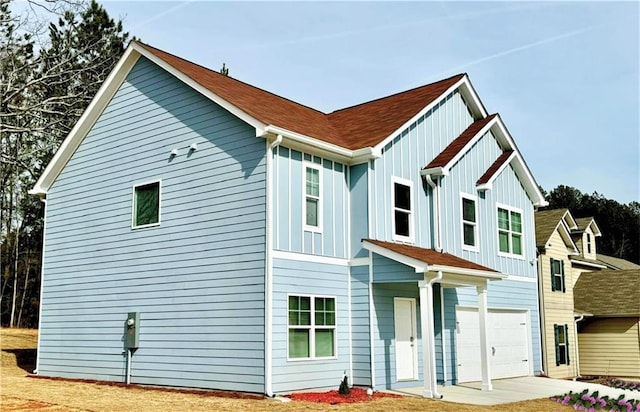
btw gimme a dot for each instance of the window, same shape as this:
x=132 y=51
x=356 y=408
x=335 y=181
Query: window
x=557 y=275
x=402 y=218
x=312 y=327
x=588 y=243
x=510 y=231
x=312 y=198
x=561 y=334
x=146 y=205
x=469 y=222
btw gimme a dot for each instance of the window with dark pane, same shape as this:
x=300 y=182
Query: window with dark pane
x=402 y=209
x=469 y=221
x=312 y=198
x=146 y=207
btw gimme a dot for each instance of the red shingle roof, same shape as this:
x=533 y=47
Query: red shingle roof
x=459 y=143
x=354 y=127
x=429 y=256
x=494 y=167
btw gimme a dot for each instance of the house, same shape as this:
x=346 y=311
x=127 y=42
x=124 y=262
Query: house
x=202 y=232
x=609 y=336
x=567 y=249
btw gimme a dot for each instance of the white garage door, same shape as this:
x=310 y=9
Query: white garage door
x=508 y=344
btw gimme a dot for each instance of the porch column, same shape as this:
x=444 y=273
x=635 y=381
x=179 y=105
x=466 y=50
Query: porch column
x=484 y=339
x=428 y=340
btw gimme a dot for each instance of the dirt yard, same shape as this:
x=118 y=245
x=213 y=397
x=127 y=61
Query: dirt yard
x=19 y=392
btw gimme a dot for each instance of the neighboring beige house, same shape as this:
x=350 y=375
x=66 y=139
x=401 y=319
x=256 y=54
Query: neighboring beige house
x=584 y=235
x=609 y=336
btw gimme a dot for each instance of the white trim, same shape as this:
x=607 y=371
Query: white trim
x=510 y=254
x=306 y=164
x=480 y=274
x=465 y=89
x=443 y=336
x=362 y=261
x=313 y=327
x=400 y=238
x=489 y=184
x=44 y=240
x=86 y=121
x=350 y=325
x=474 y=199
x=582 y=262
x=372 y=347
x=133 y=204
x=304 y=257
x=414 y=330
x=517 y=278
x=447 y=168
x=565 y=234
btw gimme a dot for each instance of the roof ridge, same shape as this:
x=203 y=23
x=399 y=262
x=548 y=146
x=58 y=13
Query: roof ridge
x=460 y=75
x=230 y=78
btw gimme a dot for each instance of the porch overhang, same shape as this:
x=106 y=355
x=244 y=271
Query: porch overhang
x=455 y=270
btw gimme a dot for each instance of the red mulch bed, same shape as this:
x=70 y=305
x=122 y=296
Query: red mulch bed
x=333 y=397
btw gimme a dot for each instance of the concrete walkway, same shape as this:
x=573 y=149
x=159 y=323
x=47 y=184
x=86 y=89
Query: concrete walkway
x=518 y=389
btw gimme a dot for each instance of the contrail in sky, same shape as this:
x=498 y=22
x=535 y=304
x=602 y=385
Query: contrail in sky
x=161 y=14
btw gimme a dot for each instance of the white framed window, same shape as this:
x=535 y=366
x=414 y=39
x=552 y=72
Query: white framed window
x=510 y=240
x=402 y=209
x=312 y=196
x=146 y=205
x=469 y=215
x=311 y=327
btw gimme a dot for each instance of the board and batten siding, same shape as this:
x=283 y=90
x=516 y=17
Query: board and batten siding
x=558 y=308
x=610 y=347
x=197 y=278
x=289 y=205
x=291 y=277
x=405 y=156
x=505 y=294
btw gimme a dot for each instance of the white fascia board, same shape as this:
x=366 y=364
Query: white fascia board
x=489 y=184
x=327 y=150
x=582 y=262
x=569 y=221
x=199 y=88
x=470 y=95
x=86 y=121
x=438 y=171
x=565 y=234
x=484 y=274
x=594 y=228
x=463 y=82
x=469 y=144
x=419 y=266
x=520 y=167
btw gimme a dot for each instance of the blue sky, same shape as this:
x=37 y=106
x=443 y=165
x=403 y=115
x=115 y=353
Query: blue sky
x=563 y=76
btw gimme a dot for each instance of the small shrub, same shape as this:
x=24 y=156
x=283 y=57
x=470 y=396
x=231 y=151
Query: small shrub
x=584 y=401
x=344 y=387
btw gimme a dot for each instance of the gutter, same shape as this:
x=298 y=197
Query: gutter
x=268 y=284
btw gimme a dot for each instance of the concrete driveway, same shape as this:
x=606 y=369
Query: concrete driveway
x=518 y=389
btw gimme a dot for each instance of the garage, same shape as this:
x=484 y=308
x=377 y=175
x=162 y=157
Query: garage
x=508 y=344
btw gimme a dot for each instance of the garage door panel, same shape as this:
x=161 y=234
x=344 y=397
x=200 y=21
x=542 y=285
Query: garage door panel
x=508 y=344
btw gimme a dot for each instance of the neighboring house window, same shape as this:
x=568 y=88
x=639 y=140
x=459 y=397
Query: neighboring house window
x=146 y=205
x=557 y=275
x=561 y=334
x=312 y=327
x=510 y=231
x=312 y=204
x=402 y=214
x=588 y=243
x=469 y=222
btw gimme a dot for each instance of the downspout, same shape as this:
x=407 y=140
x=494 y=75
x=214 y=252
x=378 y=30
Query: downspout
x=541 y=311
x=268 y=286
x=44 y=237
x=575 y=345
x=436 y=212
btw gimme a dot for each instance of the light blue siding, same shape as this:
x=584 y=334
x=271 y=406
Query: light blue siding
x=502 y=294
x=197 y=279
x=304 y=278
x=361 y=339
x=405 y=156
x=390 y=271
x=289 y=233
x=359 y=209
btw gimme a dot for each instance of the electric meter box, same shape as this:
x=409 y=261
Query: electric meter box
x=132 y=330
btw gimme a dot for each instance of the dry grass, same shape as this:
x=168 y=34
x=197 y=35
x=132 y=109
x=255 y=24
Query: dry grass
x=18 y=392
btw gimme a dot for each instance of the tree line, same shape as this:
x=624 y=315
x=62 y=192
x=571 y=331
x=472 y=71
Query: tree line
x=50 y=71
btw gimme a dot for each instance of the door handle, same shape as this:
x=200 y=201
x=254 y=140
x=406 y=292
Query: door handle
x=411 y=339
x=493 y=351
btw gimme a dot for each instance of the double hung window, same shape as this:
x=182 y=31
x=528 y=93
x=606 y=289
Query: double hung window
x=312 y=327
x=146 y=205
x=510 y=231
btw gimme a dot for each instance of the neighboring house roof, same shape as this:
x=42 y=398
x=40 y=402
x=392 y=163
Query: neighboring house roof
x=616 y=263
x=584 y=222
x=581 y=260
x=548 y=221
x=610 y=293
x=429 y=259
x=353 y=135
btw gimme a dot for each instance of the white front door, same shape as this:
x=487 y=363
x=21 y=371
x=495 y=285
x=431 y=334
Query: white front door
x=406 y=339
